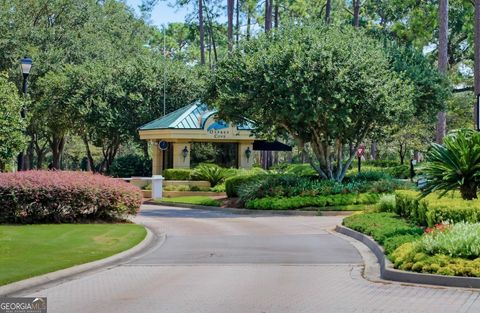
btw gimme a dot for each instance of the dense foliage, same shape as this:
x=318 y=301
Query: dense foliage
x=325 y=86
x=65 y=197
x=445 y=250
x=455 y=165
x=232 y=184
x=431 y=210
x=131 y=165
x=381 y=226
x=177 y=174
x=12 y=138
x=285 y=185
x=458 y=240
x=211 y=173
x=408 y=257
x=339 y=202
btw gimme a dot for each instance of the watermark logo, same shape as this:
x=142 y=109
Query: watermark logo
x=23 y=305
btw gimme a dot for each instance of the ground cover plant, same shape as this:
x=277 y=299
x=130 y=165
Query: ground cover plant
x=198 y=200
x=385 y=228
x=66 y=197
x=446 y=249
x=297 y=202
x=31 y=250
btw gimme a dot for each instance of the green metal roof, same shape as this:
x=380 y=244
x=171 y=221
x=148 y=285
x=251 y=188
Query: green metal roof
x=192 y=116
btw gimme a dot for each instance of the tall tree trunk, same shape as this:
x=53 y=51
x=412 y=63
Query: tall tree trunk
x=237 y=22
x=202 y=32
x=230 y=7
x=276 y=15
x=268 y=15
x=373 y=150
x=210 y=29
x=28 y=165
x=356 y=13
x=57 y=144
x=90 y=165
x=209 y=40
x=249 y=22
x=442 y=63
x=40 y=152
x=328 y=10
x=477 y=57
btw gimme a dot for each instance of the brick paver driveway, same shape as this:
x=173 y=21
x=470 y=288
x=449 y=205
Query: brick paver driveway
x=217 y=262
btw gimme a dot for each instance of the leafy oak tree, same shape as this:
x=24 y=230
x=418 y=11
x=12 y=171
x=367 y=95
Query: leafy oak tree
x=327 y=87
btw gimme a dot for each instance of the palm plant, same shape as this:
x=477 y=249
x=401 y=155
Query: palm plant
x=210 y=172
x=455 y=165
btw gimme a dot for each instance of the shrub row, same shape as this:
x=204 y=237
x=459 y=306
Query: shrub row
x=285 y=185
x=55 y=196
x=291 y=203
x=388 y=229
x=408 y=258
x=431 y=210
x=177 y=174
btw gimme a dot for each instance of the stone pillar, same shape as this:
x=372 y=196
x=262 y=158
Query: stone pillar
x=178 y=160
x=157 y=160
x=243 y=161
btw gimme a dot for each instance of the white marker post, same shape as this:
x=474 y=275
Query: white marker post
x=157 y=186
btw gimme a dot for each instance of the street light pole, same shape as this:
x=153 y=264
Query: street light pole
x=26 y=64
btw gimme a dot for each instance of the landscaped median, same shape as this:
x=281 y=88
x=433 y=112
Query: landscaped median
x=434 y=237
x=32 y=250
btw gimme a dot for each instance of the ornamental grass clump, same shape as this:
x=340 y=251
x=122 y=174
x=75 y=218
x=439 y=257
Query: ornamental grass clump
x=459 y=240
x=65 y=197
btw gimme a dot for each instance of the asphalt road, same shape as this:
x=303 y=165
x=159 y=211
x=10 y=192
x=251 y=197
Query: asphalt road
x=217 y=262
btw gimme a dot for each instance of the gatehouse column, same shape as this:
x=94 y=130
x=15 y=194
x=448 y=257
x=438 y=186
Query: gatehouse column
x=181 y=155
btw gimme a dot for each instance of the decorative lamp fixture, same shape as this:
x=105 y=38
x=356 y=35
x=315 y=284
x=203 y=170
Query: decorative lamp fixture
x=26 y=64
x=248 y=153
x=185 y=153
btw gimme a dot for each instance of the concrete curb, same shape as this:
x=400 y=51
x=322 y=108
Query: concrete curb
x=387 y=271
x=53 y=277
x=251 y=212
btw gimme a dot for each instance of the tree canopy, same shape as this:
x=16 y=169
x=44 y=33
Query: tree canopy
x=12 y=138
x=325 y=86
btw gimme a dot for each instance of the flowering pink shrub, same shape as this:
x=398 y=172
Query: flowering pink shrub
x=62 y=196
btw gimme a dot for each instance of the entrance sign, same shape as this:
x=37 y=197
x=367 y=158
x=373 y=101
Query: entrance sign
x=163 y=145
x=360 y=151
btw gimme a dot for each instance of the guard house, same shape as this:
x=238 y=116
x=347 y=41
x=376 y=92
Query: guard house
x=171 y=137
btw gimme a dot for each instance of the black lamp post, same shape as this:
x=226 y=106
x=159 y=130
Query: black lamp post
x=26 y=65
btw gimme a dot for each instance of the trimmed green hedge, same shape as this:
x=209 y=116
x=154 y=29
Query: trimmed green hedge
x=387 y=229
x=177 y=174
x=431 y=210
x=291 y=203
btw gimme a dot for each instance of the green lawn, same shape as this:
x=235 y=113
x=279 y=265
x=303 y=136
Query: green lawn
x=31 y=250
x=198 y=200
